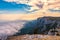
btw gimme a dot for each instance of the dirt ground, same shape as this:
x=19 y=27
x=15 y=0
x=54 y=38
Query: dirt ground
x=34 y=37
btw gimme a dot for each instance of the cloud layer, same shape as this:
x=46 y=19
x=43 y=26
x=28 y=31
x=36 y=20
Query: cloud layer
x=18 y=1
x=36 y=4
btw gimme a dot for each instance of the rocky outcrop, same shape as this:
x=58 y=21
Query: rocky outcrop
x=49 y=27
x=44 y=25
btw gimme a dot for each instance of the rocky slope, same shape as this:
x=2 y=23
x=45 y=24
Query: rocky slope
x=44 y=25
x=49 y=27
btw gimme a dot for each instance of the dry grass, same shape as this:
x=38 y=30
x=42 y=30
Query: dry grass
x=34 y=37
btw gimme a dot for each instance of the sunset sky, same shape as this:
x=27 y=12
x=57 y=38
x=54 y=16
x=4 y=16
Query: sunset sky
x=28 y=9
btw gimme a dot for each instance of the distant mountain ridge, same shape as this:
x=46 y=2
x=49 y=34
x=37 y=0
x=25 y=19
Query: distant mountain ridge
x=41 y=26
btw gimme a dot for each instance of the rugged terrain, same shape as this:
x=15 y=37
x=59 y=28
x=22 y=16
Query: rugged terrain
x=53 y=32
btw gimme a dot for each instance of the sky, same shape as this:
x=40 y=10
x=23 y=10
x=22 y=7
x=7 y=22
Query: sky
x=24 y=6
x=6 y=7
x=28 y=9
x=16 y=6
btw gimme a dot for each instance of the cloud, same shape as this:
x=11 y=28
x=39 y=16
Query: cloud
x=29 y=2
x=12 y=12
x=18 y=1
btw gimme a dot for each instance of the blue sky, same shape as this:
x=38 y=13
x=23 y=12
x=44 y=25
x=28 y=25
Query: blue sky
x=13 y=7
